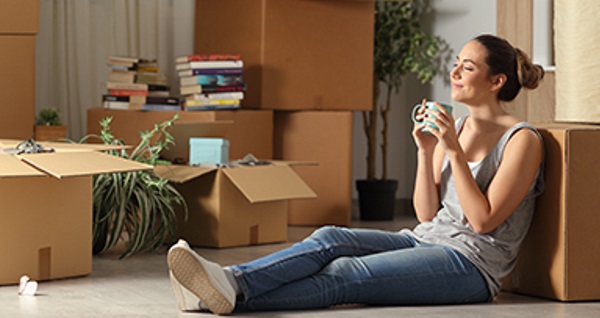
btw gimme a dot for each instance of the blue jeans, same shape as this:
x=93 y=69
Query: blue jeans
x=337 y=266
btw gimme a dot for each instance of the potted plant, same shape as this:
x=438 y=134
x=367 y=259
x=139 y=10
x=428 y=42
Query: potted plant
x=136 y=208
x=48 y=125
x=401 y=47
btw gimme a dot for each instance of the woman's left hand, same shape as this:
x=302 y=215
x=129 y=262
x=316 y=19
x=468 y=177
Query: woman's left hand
x=446 y=131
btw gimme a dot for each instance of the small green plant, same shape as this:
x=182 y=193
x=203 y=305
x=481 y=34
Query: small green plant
x=48 y=117
x=137 y=207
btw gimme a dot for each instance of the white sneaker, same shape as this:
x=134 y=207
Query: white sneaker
x=197 y=281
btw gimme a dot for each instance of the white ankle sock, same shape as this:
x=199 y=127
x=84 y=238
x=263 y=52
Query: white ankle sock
x=231 y=279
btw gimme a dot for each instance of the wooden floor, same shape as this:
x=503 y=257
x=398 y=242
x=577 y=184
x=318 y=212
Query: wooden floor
x=139 y=287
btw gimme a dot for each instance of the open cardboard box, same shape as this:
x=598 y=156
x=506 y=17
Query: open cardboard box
x=46 y=228
x=560 y=256
x=236 y=206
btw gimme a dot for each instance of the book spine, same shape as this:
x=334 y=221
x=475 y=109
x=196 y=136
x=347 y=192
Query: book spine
x=128 y=86
x=206 y=89
x=120 y=105
x=212 y=107
x=127 y=92
x=207 y=57
x=167 y=107
x=208 y=64
x=162 y=100
x=216 y=79
x=208 y=102
x=226 y=95
x=200 y=71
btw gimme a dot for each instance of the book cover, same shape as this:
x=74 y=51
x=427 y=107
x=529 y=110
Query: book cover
x=207 y=57
x=210 y=71
x=215 y=79
x=208 y=64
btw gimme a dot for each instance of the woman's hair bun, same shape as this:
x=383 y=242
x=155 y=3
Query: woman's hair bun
x=530 y=75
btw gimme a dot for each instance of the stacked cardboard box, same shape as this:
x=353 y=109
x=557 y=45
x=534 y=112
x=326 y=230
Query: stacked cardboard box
x=310 y=62
x=19 y=23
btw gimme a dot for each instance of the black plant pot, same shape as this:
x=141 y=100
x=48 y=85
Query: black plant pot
x=377 y=199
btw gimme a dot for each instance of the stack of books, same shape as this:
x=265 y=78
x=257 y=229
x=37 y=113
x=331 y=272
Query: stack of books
x=210 y=81
x=136 y=83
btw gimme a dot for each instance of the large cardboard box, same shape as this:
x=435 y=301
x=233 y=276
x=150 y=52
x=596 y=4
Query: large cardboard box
x=297 y=54
x=324 y=137
x=251 y=131
x=17 y=85
x=19 y=17
x=46 y=228
x=236 y=206
x=560 y=256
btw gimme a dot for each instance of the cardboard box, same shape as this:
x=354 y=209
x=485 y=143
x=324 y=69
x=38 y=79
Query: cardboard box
x=17 y=86
x=560 y=256
x=251 y=131
x=315 y=55
x=236 y=206
x=46 y=228
x=324 y=137
x=19 y=17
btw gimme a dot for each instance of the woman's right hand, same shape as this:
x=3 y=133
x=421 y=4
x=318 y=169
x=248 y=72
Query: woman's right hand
x=425 y=141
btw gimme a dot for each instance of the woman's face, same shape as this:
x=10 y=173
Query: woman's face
x=471 y=84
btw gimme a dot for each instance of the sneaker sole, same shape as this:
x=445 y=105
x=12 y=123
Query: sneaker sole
x=191 y=274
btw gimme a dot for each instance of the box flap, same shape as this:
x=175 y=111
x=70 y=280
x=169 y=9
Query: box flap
x=183 y=131
x=11 y=166
x=64 y=146
x=70 y=164
x=181 y=173
x=268 y=183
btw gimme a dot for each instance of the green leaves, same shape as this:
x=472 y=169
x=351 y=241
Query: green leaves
x=401 y=44
x=49 y=117
x=136 y=207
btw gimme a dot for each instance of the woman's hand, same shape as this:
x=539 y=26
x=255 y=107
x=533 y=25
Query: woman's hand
x=445 y=133
x=424 y=140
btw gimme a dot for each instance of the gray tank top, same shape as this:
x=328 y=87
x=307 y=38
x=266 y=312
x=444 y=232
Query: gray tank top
x=493 y=253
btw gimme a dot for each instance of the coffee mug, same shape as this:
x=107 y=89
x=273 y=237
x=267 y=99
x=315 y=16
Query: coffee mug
x=429 y=105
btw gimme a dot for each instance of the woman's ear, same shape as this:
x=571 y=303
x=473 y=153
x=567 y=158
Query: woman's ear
x=498 y=81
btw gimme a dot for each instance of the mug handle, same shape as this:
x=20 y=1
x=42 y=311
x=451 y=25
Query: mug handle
x=414 y=113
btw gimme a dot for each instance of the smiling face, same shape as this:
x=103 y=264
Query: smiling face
x=471 y=83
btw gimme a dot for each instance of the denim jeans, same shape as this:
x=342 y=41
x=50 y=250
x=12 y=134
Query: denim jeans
x=337 y=266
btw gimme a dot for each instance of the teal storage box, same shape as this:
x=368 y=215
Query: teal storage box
x=208 y=150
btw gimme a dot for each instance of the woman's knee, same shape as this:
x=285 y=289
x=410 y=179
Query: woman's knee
x=329 y=234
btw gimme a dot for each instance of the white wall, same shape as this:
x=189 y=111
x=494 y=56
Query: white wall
x=457 y=21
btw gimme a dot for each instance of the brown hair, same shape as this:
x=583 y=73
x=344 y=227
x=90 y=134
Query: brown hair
x=503 y=58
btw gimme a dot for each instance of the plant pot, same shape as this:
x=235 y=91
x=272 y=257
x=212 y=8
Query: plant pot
x=43 y=132
x=377 y=199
